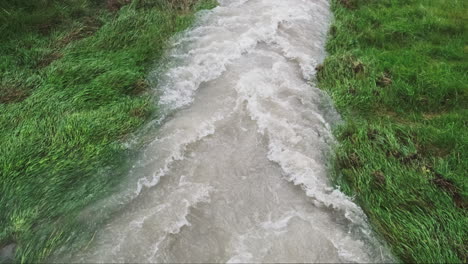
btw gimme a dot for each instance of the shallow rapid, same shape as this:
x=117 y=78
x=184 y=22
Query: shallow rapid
x=237 y=170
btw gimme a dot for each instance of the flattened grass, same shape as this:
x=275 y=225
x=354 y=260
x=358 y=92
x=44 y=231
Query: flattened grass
x=397 y=71
x=72 y=87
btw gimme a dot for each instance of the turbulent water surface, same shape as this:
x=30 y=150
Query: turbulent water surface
x=237 y=171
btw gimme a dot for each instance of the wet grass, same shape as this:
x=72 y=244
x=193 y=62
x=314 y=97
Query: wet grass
x=72 y=87
x=397 y=72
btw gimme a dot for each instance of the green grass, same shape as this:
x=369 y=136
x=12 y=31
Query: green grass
x=72 y=88
x=397 y=72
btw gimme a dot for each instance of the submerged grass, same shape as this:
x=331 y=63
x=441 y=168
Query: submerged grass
x=72 y=87
x=397 y=71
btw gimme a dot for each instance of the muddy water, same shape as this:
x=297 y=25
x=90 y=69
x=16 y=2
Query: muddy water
x=237 y=171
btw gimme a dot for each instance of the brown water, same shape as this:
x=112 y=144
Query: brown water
x=237 y=172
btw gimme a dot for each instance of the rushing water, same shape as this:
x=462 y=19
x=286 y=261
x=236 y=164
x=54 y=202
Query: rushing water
x=237 y=171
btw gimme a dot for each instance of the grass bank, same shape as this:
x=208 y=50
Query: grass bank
x=397 y=72
x=72 y=86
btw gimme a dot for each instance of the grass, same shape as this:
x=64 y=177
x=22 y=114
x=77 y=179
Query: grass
x=397 y=72
x=72 y=87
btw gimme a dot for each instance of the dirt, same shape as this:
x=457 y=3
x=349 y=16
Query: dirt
x=384 y=80
x=449 y=186
x=139 y=112
x=116 y=5
x=358 y=67
x=12 y=94
x=408 y=159
x=433 y=150
x=47 y=27
x=90 y=26
x=351 y=161
x=319 y=68
x=141 y=86
x=372 y=134
x=379 y=178
x=47 y=60
x=350 y=4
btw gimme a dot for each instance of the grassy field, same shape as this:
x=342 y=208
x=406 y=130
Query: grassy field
x=397 y=72
x=72 y=87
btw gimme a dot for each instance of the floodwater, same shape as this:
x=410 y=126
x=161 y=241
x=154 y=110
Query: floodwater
x=237 y=171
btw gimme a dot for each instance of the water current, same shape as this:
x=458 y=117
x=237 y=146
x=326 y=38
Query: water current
x=237 y=171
